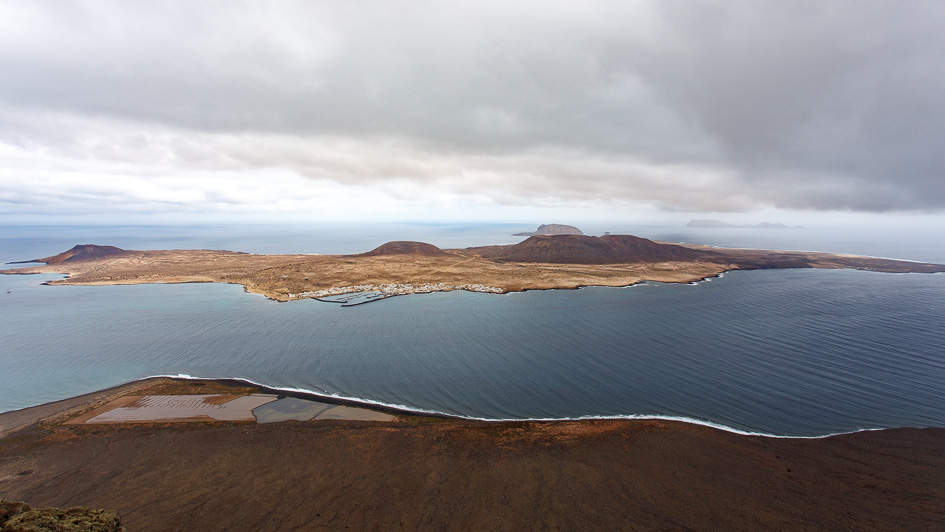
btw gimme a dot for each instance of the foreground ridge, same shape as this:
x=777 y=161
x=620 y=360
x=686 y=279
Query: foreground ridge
x=422 y=473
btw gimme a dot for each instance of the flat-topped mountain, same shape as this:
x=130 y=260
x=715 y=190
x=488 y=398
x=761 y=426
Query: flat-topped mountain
x=553 y=229
x=405 y=247
x=84 y=252
x=584 y=249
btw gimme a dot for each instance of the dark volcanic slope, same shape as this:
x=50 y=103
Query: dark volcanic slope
x=84 y=252
x=404 y=247
x=604 y=475
x=583 y=249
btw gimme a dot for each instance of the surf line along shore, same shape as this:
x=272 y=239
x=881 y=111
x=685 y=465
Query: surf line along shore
x=397 y=268
x=422 y=472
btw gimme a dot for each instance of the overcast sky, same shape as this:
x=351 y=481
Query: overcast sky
x=468 y=110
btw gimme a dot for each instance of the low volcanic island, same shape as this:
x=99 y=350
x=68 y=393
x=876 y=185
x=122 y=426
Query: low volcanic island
x=396 y=268
x=170 y=454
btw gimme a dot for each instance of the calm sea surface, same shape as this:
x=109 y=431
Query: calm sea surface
x=790 y=352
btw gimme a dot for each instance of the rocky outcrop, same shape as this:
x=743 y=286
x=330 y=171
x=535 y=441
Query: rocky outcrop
x=20 y=517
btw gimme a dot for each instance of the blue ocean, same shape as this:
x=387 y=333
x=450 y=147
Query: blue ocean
x=782 y=352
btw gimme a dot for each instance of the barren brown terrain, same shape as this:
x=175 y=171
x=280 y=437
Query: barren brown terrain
x=426 y=474
x=540 y=262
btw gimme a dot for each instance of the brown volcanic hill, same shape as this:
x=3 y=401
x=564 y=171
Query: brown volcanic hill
x=405 y=247
x=583 y=249
x=84 y=252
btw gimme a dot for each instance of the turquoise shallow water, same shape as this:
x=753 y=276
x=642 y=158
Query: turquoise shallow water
x=793 y=352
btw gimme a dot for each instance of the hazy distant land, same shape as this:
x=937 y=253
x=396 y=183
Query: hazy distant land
x=715 y=224
x=539 y=262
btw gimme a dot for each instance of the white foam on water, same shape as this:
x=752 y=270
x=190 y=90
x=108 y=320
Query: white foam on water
x=414 y=410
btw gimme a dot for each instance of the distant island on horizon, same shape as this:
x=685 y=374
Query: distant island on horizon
x=553 y=229
x=721 y=224
x=561 y=261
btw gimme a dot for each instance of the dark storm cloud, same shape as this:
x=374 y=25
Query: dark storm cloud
x=819 y=104
x=712 y=106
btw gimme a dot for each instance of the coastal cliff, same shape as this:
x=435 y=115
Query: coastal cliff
x=432 y=475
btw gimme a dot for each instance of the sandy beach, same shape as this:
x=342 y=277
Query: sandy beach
x=425 y=473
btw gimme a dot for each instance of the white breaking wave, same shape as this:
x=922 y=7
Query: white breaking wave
x=415 y=410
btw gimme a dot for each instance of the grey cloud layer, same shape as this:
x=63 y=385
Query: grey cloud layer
x=703 y=106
